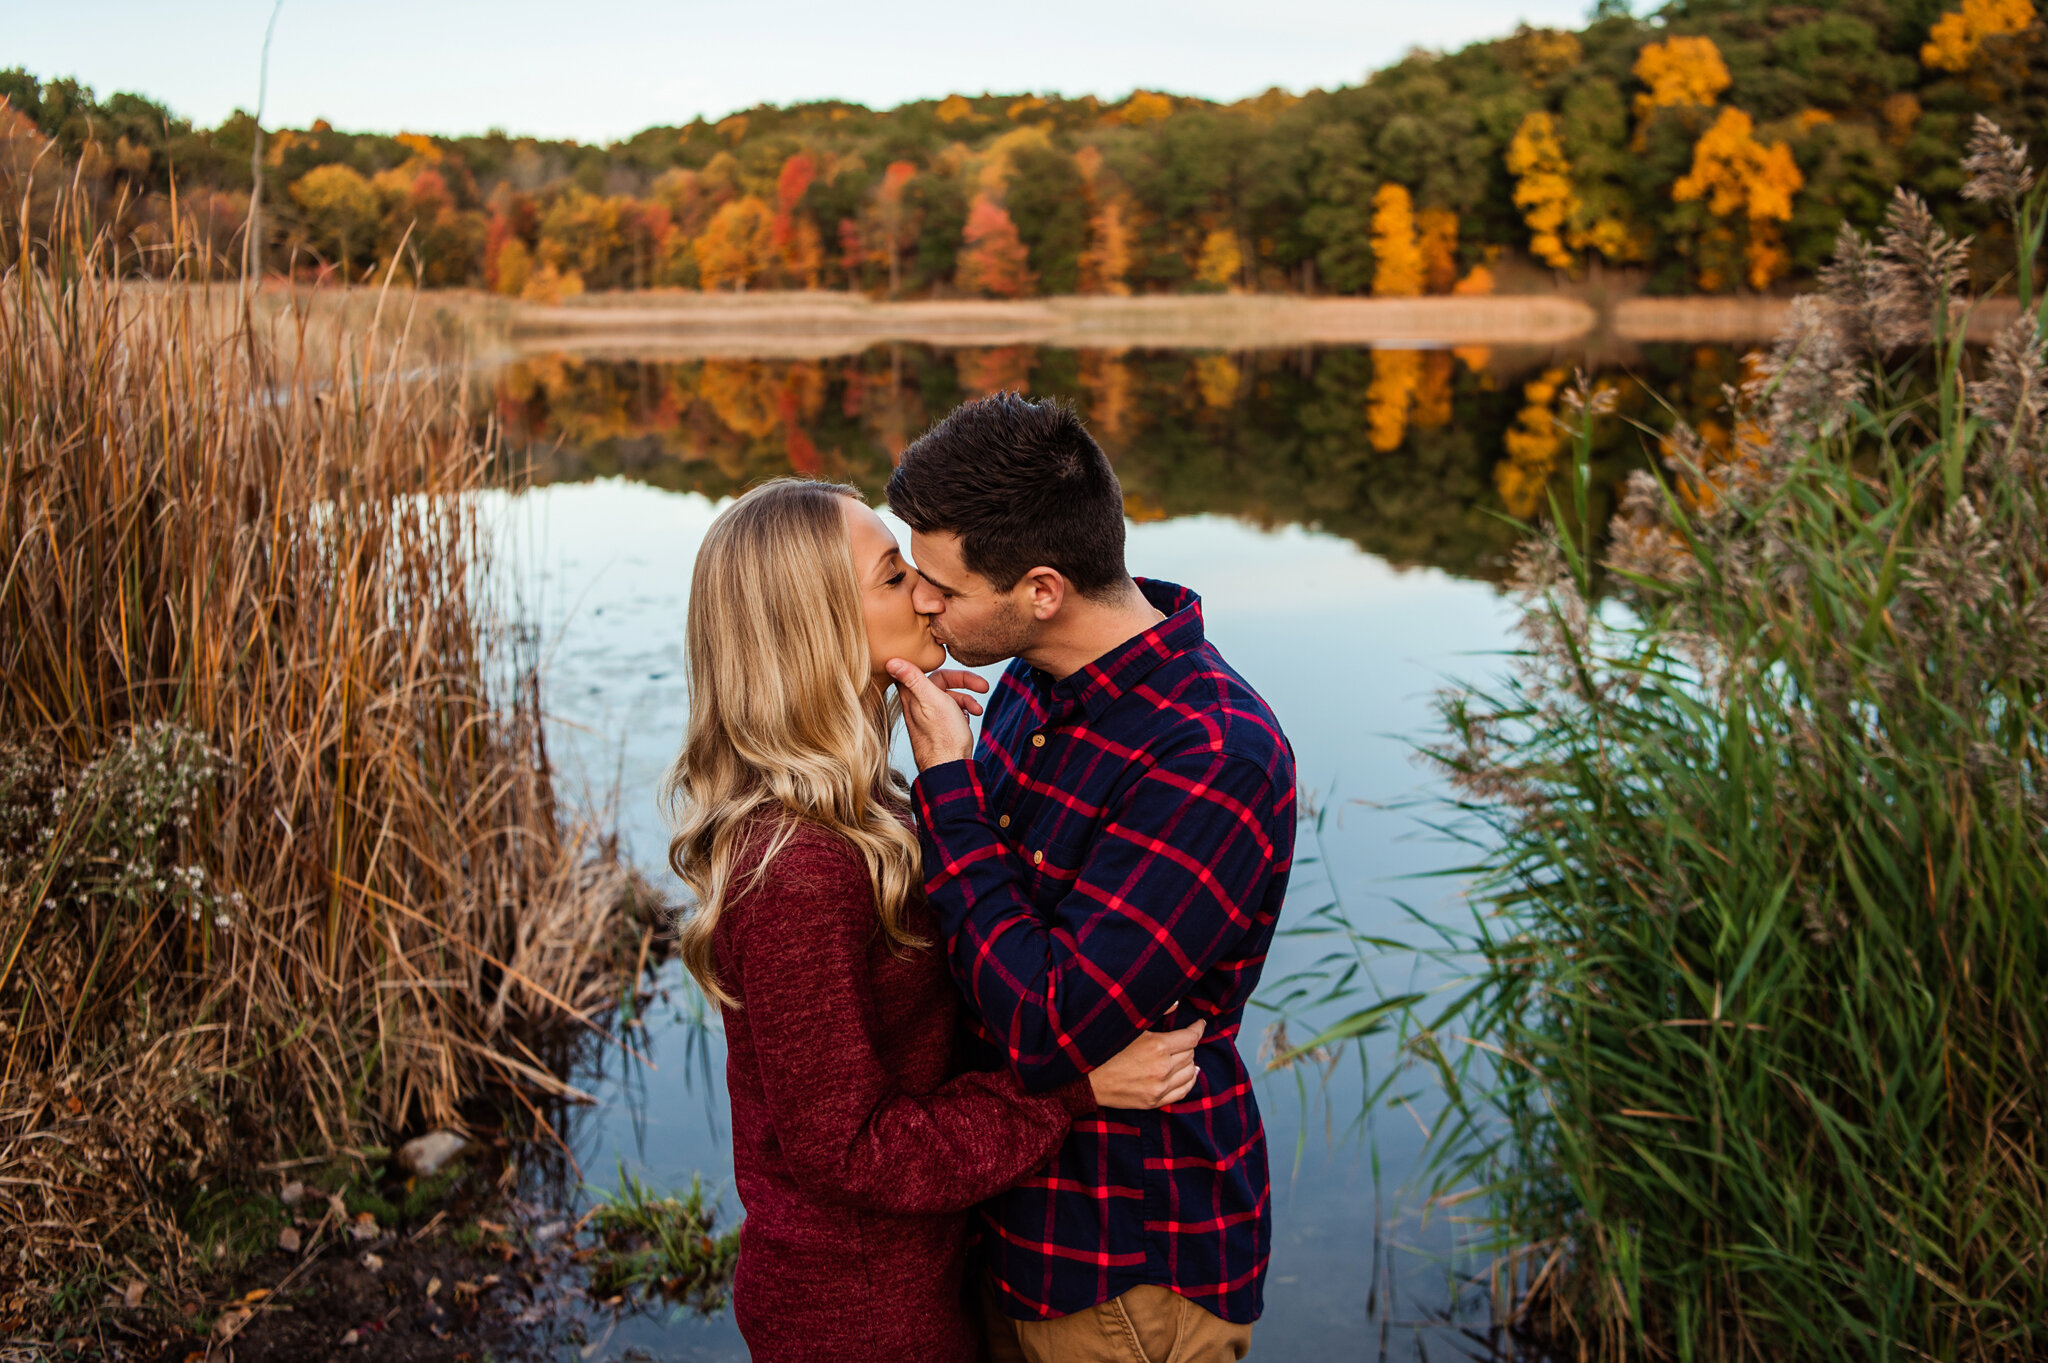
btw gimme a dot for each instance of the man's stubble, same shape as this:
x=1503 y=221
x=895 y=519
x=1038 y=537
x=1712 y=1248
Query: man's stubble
x=1006 y=634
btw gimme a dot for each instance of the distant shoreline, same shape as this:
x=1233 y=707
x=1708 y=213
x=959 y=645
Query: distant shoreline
x=684 y=324
x=830 y=323
x=824 y=323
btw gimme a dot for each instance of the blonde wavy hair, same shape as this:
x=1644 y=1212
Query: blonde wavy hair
x=784 y=715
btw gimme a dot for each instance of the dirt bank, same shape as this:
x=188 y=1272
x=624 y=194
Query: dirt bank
x=1727 y=320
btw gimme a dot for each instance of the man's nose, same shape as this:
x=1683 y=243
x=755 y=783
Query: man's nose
x=925 y=599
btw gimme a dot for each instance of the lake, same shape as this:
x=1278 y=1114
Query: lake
x=1343 y=514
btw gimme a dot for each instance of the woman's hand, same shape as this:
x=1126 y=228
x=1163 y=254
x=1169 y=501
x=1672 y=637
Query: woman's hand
x=1156 y=1069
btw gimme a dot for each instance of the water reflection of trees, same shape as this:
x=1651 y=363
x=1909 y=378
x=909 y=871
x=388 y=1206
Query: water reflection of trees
x=1419 y=456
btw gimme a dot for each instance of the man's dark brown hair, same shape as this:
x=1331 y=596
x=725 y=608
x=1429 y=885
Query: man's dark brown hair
x=1022 y=484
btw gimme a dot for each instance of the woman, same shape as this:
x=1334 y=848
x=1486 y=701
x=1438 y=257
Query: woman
x=857 y=1147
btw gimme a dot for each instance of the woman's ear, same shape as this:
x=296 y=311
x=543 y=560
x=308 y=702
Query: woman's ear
x=1045 y=591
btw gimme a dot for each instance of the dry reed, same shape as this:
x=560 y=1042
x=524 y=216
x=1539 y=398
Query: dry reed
x=281 y=866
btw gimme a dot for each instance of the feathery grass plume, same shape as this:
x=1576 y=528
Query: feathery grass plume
x=1763 y=998
x=285 y=870
x=2010 y=397
x=1998 y=167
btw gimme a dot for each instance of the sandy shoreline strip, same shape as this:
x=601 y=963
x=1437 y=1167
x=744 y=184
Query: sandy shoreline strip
x=798 y=324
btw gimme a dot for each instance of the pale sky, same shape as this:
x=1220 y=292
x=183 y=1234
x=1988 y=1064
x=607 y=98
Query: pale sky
x=603 y=69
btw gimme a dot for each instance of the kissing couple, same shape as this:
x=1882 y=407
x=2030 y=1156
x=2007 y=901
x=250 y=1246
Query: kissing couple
x=981 y=1027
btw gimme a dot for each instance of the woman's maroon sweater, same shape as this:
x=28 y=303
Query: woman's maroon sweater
x=858 y=1149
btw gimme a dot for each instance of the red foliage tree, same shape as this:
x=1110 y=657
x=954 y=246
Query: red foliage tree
x=993 y=260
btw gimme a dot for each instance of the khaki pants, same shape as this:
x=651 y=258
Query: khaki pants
x=1145 y=1325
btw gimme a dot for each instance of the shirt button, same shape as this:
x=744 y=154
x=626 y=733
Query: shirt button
x=1003 y=822
x=1038 y=858
x=1038 y=740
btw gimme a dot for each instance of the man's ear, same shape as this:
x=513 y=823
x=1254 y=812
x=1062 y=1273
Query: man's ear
x=1045 y=591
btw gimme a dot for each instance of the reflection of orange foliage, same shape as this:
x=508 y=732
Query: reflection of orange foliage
x=1107 y=380
x=1533 y=445
x=1433 y=394
x=1136 y=508
x=740 y=395
x=1436 y=233
x=995 y=369
x=1395 y=377
x=1216 y=379
x=803 y=453
x=754 y=397
x=1474 y=357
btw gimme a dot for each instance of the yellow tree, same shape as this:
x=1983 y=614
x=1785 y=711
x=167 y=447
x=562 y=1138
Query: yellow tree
x=1108 y=257
x=1543 y=187
x=1737 y=175
x=1679 y=71
x=737 y=245
x=1396 y=257
x=1953 y=41
x=1220 y=260
x=1436 y=234
x=341 y=209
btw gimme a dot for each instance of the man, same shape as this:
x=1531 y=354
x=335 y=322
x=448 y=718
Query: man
x=1111 y=861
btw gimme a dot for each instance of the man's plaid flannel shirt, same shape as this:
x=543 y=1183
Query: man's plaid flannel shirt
x=1113 y=860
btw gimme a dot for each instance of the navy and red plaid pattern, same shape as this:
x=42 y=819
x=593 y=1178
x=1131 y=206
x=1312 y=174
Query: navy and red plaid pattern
x=1114 y=856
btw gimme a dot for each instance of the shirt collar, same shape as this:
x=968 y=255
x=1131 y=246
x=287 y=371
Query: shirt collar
x=1095 y=686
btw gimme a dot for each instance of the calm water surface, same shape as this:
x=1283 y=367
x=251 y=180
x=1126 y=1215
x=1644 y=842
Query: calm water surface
x=1338 y=511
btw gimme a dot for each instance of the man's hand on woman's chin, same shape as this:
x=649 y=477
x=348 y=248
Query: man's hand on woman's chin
x=935 y=714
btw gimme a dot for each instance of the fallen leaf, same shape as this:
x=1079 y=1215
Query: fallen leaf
x=232 y=1321
x=492 y=1226
x=364 y=1227
x=292 y=1194
x=73 y=1106
x=371 y=1261
x=348 y=1340
x=433 y=1287
x=255 y=1294
x=288 y=1240
x=336 y=1208
x=131 y=1295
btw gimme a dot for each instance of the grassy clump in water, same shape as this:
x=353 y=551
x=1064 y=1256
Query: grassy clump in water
x=1765 y=993
x=649 y=1242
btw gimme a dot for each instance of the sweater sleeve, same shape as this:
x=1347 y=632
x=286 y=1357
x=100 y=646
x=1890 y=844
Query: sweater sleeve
x=849 y=1132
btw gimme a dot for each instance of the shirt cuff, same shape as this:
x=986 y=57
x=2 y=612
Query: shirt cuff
x=1078 y=1098
x=950 y=792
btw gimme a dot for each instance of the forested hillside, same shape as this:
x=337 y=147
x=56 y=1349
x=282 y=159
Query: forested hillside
x=1716 y=146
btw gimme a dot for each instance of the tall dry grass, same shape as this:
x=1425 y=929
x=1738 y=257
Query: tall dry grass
x=281 y=866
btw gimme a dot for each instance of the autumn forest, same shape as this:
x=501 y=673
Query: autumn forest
x=1717 y=146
